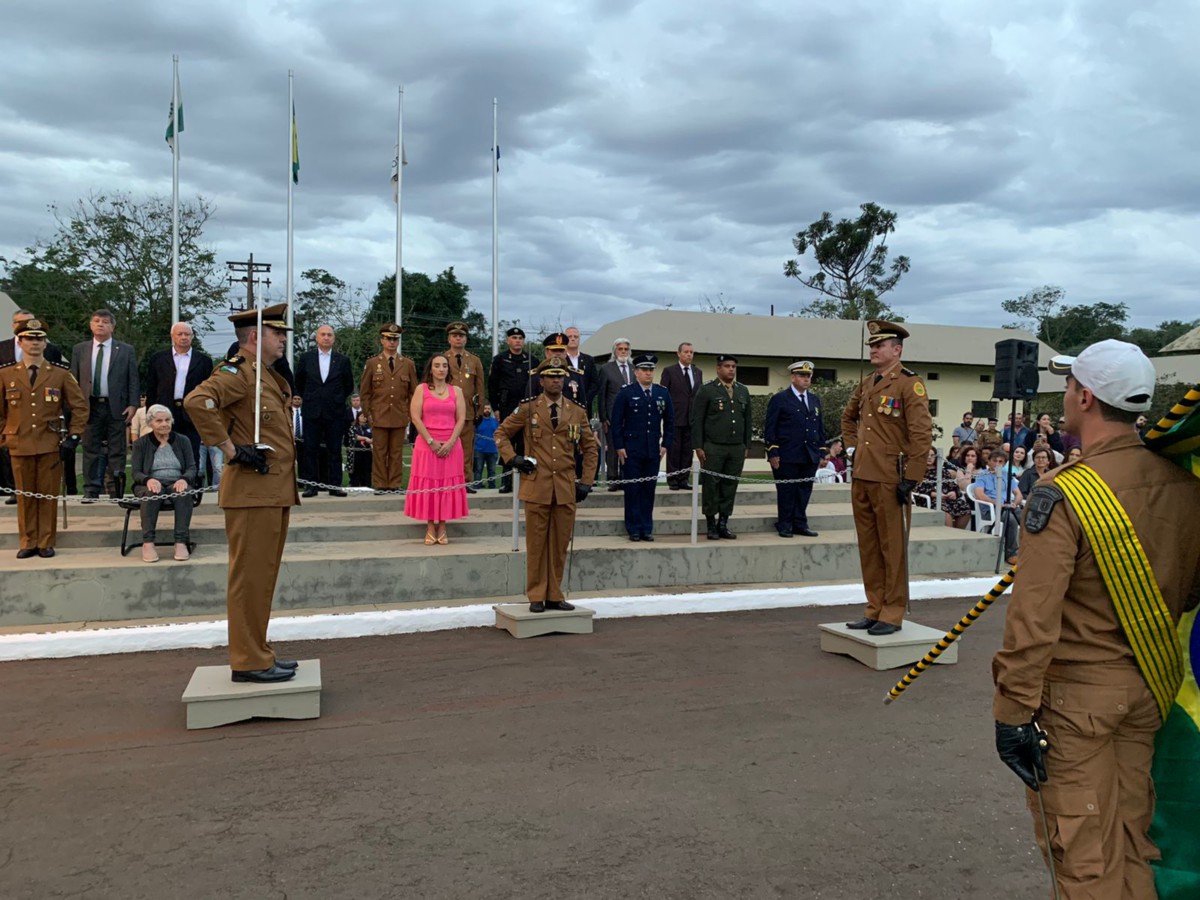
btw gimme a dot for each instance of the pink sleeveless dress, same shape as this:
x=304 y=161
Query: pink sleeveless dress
x=428 y=470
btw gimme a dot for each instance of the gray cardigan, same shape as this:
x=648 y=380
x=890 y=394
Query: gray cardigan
x=143 y=458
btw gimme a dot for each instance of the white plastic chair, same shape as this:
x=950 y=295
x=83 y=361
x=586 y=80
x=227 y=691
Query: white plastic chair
x=985 y=516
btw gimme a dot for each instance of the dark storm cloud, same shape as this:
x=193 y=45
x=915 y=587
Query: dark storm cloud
x=653 y=154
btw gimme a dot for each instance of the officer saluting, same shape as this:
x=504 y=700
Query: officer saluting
x=795 y=439
x=557 y=435
x=258 y=487
x=888 y=428
x=642 y=425
x=721 y=434
x=37 y=393
x=510 y=379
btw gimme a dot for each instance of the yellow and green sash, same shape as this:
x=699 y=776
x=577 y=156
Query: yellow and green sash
x=1130 y=580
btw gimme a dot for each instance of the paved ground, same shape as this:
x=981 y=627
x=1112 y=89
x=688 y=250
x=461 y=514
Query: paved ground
x=682 y=757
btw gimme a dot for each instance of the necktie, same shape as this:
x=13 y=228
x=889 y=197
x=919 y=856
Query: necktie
x=458 y=358
x=804 y=401
x=624 y=374
x=647 y=394
x=99 y=373
x=32 y=375
x=298 y=428
x=391 y=364
x=687 y=370
x=554 y=415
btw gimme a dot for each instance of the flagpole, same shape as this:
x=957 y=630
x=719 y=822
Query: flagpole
x=175 y=192
x=399 y=216
x=290 y=180
x=495 y=233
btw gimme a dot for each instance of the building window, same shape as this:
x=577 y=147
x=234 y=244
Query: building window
x=984 y=409
x=933 y=407
x=755 y=376
x=985 y=379
x=932 y=376
x=827 y=375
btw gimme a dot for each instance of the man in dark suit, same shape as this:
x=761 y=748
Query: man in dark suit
x=325 y=381
x=10 y=352
x=585 y=364
x=795 y=439
x=642 y=429
x=614 y=375
x=175 y=373
x=107 y=371
x=681 y=380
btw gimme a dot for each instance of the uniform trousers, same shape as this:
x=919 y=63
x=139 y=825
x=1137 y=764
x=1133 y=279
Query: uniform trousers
x=387 y=458
x=679 y=455
x=1100 y=721
x=256 y=538
x=792 y=499
x=879 y=522
x=717 y=494
x=6 y=470
x=329 y=431
x=468 y=445
x=37 y=521
x=105 y=424
x=548 y=528
x=612 y=463
x=639 y=498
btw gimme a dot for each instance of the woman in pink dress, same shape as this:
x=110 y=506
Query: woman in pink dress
x=438 y=414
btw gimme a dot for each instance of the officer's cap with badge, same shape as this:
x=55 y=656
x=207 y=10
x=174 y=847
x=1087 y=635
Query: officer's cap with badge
x=726 y=357
x=514 y=332
x=458 y=328
x=803 y=367
x=645 y=361
x=272 y=317
x=1116 y=372
x=391 y=330
x=548 y=368
x=30 y=328
x=555 y=341
x=880 y=330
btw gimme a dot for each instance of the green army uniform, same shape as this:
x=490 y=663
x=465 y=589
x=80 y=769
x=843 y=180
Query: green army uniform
x=721 y=428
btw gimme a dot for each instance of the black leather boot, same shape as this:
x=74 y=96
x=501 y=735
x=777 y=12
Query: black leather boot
x=723 y=529
x=713 y=533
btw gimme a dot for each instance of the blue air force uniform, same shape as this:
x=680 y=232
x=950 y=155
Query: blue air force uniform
x=795 y=435
x=642 y=424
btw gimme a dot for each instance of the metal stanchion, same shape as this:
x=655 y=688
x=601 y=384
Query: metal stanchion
x=695 y=498
x=937 y=469
x=516 y=495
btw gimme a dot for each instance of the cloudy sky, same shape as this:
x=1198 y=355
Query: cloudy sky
x=653 y=153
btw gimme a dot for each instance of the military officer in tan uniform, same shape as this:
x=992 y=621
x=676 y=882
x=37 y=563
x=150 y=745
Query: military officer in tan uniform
x=889 y=431
x=36 y=393
x=258 y=486
x=466 y=374
x=388 y=382
x=556 y=434
x=1068 y=660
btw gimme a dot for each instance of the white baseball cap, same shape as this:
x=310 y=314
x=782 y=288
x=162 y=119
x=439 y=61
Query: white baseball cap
x=1117 y=372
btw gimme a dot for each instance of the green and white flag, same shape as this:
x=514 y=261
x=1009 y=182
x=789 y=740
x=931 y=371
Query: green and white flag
x=171 y=117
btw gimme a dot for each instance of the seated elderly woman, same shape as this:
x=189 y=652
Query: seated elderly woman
x=163 y=464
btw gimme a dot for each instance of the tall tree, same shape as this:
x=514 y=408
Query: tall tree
x=430 y=304
x=853 y=271
x=1152 y=340
x=1065 y=327
x=1034 y=308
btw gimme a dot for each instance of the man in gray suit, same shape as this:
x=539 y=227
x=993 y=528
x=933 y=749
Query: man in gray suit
x=106 y=369
x=614 y=375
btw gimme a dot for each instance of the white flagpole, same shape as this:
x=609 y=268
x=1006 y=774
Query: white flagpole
x=291 y=147
x=399 y=218
x=175 y=194
x=495 y=234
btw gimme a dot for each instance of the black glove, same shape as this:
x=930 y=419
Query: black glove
x=477 y=420
x=1022 y=748
x=250 y=456
x=525 y=465
x=582 y=491
x=69 y=443
x=904 y=491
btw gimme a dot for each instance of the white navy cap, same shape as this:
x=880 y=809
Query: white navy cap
x=1117 y=372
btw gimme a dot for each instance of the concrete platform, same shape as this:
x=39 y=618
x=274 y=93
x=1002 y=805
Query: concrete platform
x=889 y=651
x=213 y=699
x=517 y=620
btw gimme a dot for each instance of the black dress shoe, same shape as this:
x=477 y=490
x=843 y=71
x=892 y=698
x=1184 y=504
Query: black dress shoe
x=784 y=532
x=90 y=498
x=635 y=537
x=880 y=628
x=310 y=492
x=45 y=552
x=472 y=490
x=614 y=487
x=334 y=494
x=537 y=606
x=713 y=533
x=11 y=501
x=560 y=604
x=862 y=624
x=27 y=553
x=507 y=489
x=648 y=537
x=286 y=664
x=265 y=676
x=805 y=532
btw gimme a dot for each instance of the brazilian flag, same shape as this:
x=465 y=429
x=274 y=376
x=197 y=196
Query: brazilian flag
x=1176 y=826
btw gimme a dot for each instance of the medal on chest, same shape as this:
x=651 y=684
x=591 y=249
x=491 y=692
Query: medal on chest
x=889 y=406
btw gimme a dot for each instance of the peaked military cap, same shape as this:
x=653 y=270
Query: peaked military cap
x=457 y=328
x=391 y=329
x=804 y=367
x=645 y=361
x=30 y=328
x=555 y=341
x=550 y=368
x=726 y=357
x=272 y=317
x=879 y=330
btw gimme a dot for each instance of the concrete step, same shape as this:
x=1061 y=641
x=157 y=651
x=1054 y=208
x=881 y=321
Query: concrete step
x=336 y=523
x=98 y=584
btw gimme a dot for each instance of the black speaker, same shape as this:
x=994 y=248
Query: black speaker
x=1016 y=370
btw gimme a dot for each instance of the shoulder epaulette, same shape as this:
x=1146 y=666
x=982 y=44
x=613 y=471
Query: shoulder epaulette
x=909 y=372
x=8 y=364
x=570 y=368
x=61 y=365
x=572 y=402
x=231 y=364
x=530 y=399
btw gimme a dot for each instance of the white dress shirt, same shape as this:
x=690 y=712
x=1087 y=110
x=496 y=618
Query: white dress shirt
x=17 y=354
x=182 y=362
x=108 y=347
x=323 y=363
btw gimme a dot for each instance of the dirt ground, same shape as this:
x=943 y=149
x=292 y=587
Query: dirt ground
x=703 y=756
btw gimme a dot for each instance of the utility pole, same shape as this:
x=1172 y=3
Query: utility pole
x=250 y=270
